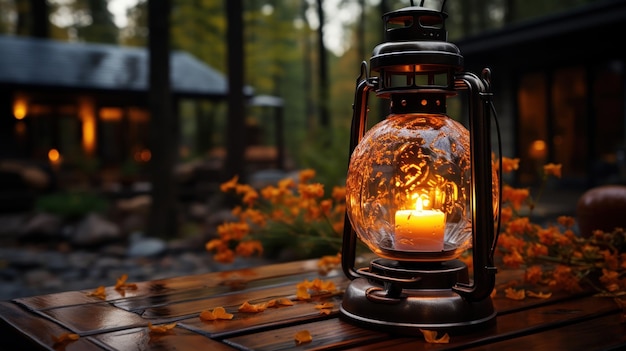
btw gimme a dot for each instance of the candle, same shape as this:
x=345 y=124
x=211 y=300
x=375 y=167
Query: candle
x=419 y=230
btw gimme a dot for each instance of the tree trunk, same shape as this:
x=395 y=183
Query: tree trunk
x=164 y=125
x=323 y=71
x=236 y=139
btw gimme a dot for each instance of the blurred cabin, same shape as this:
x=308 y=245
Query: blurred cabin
x=77 y=112
x=560 y=87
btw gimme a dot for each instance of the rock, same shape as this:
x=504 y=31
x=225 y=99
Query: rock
x=137 y=204
x=145 y=247
x=95 y=230
x=602 y=208
x=42 y=225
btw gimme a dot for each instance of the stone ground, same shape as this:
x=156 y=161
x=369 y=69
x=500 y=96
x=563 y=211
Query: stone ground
x=42 y=254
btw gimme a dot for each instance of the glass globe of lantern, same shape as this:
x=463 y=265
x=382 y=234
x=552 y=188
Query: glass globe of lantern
x=407 y=188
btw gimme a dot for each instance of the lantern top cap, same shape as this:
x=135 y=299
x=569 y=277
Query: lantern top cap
x=415 y=23
x=416 y=35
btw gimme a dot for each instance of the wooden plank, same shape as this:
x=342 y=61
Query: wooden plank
x=21 y=330
x=223 y=281
x=513 y=325
x=230 y=301
x=327 y=334
x=217 y=288
x=271 y=318
x=93 y=318
x=602 y=333
x=141 y=339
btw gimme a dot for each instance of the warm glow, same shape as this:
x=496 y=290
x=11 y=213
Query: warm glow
x=538 y=150
x=87 y=116
x=143 y=155
x=20 y=107
x=111 y=114
x=55 y=158
x=138 y=115
x=419 y=229
x=54 y=155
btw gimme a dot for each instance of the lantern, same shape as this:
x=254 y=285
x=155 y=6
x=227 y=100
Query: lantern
x=421 y=188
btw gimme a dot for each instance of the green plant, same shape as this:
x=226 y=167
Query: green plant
x=72 y=204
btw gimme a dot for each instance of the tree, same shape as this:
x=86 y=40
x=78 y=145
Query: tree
x=164 y=125
x=236 y=138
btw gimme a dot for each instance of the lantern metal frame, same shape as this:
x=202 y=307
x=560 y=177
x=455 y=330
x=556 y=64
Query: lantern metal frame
x=404 y=296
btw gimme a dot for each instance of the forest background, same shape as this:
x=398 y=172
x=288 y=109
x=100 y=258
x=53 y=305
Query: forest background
x=307 y=52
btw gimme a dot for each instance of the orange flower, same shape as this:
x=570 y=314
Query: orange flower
x=566 y=221
x=552 y=169
x=339 y=193
x=311 y=191
x=513 y=259
x=509 y=164
x=233 y=230
x=305 y=175
x=249 y=248
x=534 y=274
x=229 y=185
x=514 y=196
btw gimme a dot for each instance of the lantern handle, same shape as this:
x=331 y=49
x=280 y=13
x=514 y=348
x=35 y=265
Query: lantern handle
x=480 y=109
x=364 y=84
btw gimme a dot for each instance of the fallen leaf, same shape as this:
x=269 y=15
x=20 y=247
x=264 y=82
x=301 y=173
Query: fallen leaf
x=252 y=308
x=207 y=315
x=122 y=285
x=99 y=292
x=325 y=305
x=302 y=293
x=515 y=294
x=65 y=337
x=161 y=329
x=539 y=295
x=220 y=313
x=431 y=337
x=303 y=336
x=279 y=302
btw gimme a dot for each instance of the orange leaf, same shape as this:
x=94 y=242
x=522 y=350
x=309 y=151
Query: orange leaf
x=122 y=285
x=220 y=313
x=217 y=313
x=207 y=315
x=252 y=308
x=325 y=305
x=161 y=329
x=431 y=337
x=280 y=302
x=515 y=294
x=65 y=337
x=302 y=293
x=303 y=336
x=99 y=292
x=539 y=295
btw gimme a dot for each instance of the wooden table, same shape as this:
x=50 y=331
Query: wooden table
x=120 y=321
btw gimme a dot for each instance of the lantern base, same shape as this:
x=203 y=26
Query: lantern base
x=406 y=310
